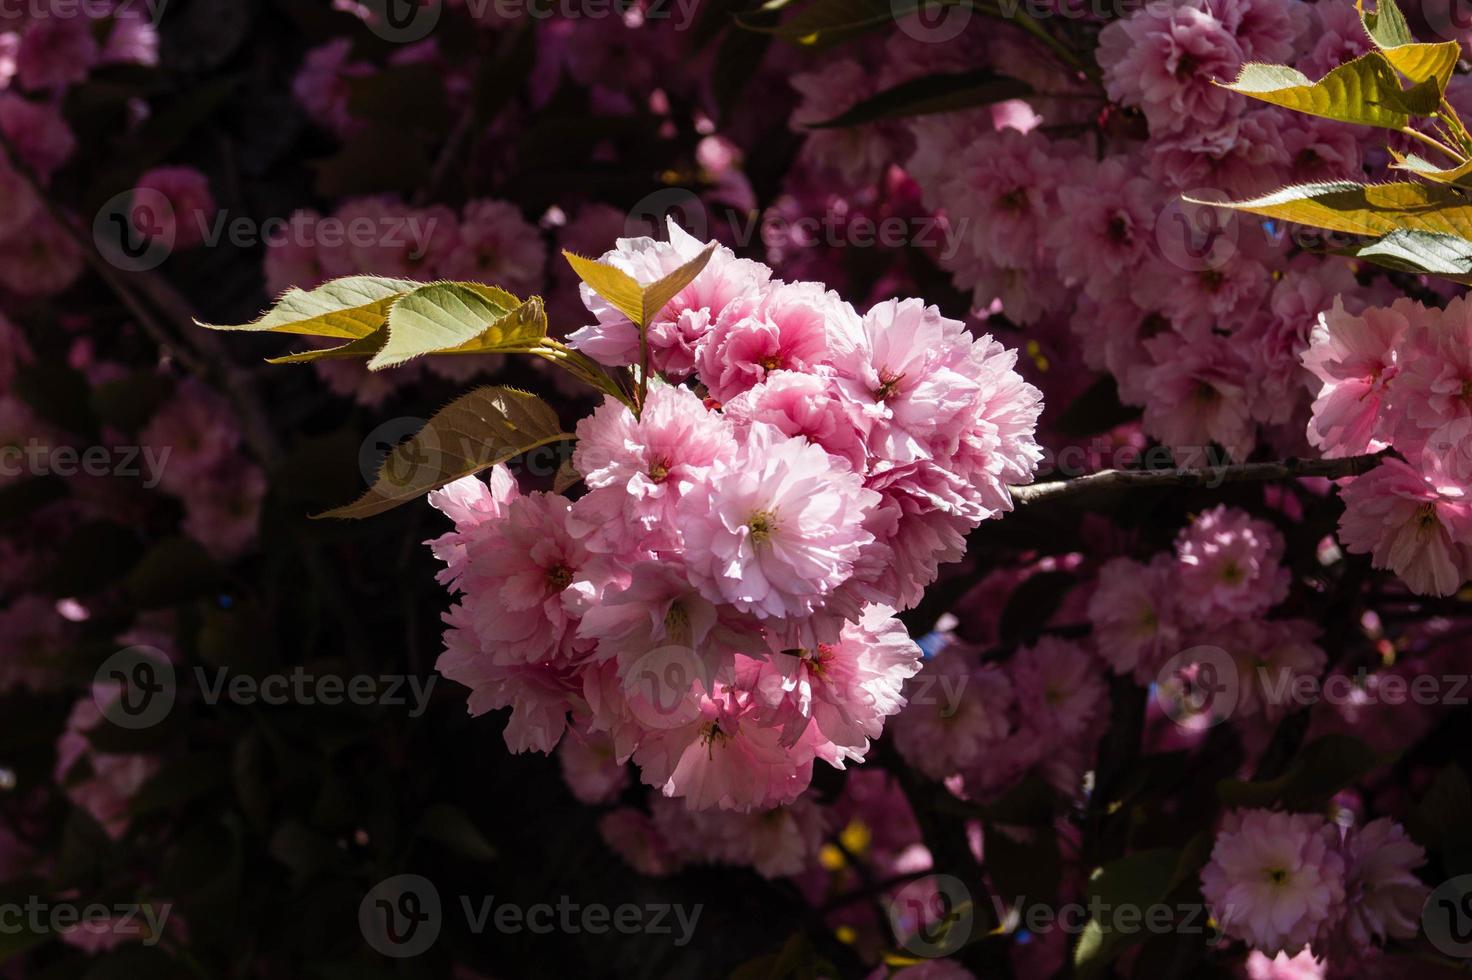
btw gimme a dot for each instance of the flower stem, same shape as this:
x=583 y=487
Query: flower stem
x=1209 y=477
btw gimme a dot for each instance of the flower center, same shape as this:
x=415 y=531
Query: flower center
x=676 y=622
x=711 y=736
x=761 y=525
x=1426 y=515
x=658 y=470
x=770 y=363
x=1276 y=876
x=888 y=385
x=1119 y=231
x=559 y=577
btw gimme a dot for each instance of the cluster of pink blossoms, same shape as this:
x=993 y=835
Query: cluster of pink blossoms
x=1283 y=882
x=1213 y=590
x=722 y=599
x=42 y=55
x=1400 y=378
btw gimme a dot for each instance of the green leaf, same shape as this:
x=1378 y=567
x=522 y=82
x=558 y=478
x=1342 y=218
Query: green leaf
x=1136 y=881
x=362 y=347
x=615 y=285
x=567 y=476
x=350 y=308
x=1322 y=768
x=1441 y=819
x=451 y=826
x=931 y=94
x=658 y=294
x=641 y=304
x=1419 y=62
x=1459 y=175
x=450 y=316
x=1420 y=251
x=474 y=432
x=1365 y=91
x=1365 y=209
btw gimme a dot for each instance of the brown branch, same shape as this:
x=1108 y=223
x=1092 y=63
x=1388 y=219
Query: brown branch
x=1210 y=477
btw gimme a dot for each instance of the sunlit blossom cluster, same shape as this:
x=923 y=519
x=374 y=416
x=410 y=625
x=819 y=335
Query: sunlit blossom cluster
x=721 y=599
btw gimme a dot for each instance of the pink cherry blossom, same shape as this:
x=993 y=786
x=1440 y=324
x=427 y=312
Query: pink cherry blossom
x=1397 y=517
x=1354 y=359
x=1274 y=879
x=1230 y=566
x=777 y=529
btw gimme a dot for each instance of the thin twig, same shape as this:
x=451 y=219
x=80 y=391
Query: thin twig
x=1209 y=477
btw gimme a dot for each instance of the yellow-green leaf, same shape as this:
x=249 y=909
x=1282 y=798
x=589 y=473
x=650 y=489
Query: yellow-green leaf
x=641 y=304
x=658 y=294
x=1419 y=62
x=1461 y=176
x=459 y=317
x=474 y=432
x=1365 y=91
x=1365 y=209
x=1446 y=256
x=614 y=285
x=567 y=475
x=362 y=347
x=349 y=308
